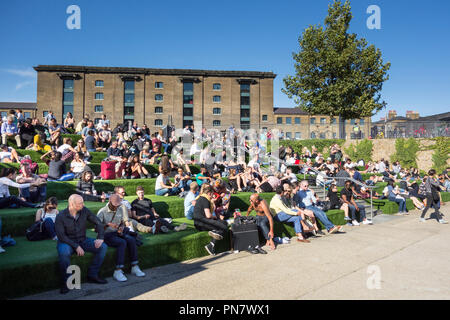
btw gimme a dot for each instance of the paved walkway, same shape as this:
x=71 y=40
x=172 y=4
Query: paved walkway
x=396 y=258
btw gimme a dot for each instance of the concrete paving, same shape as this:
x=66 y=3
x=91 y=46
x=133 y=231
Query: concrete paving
x=396 y=258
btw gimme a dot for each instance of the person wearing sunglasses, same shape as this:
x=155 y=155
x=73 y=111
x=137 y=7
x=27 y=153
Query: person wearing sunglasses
x=48 y=216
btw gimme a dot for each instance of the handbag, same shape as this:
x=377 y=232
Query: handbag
x=34 y=233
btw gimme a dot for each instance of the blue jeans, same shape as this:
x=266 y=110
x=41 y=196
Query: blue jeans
x=184 y=184
x=190 y=213
x=284 y=217
x=321 y=216
x=48 y=228
x=38 y=195
x=65 y=252
x=362 y=212
x=65 y=177
x=263 y=225
x=15 y=202
x=401 y=203
x=171 y=191
x=112 y=239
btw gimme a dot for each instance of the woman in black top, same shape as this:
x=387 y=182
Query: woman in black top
x=86 y=189
x=336 y=202
x=205 y=220
x=57 y=169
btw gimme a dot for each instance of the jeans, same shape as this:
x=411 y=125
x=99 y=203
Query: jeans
x=38 y=195
x=48 y=228
x=362 y=212
x=205 y=224
x=263 y=225
x=401 y=203
x=284 y=217
x=64 y=177
x=112 y=239
x=65 y=252
x=190 y=213
x=321 y=216
x=7 y=202
x=184 y=184
x=171 y=191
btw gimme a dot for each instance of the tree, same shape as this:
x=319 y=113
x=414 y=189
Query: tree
x=336 y=73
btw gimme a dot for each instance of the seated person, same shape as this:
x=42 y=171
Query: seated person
x=204 y=220
x=347 y=197
x=27 y=133
x=164 y=187
x=34 y=194
x=203 y=176
x=113 y=152
x=39 y=143
x=142 y=210
x=182 y=180
x=9 y=130
x=67 y=150
x=47 y=215
x=373 y=180
x=264 y=219
x=393 y=194
x=336 y=202
x=135 y=169
x=181 y=162
x=91 y=142
x=269 y=183
x=57 y=170
x=7 y=177
x=8 y=154
x=144 y=155
x=85 y=188
x=221 y=200
x=78 y=166
x=81 y=148
x=114 y=217
x=104 y=137
x=55 y=132
x=189 y=200
x=155 y=155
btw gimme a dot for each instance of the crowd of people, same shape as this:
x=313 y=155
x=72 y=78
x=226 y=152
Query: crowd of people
x=206 y=194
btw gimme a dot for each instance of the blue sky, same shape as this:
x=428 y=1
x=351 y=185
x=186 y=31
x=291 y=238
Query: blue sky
x=223 y=35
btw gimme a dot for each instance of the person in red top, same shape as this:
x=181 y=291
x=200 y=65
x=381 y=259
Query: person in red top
x=156 y=141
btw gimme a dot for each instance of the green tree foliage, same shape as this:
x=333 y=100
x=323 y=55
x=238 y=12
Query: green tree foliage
x=441 y=153
x=337 y=74
x=406 y=152
x=362 y=150
x=297 y=145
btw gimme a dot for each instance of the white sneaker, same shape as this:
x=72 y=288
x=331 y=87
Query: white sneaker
x=119 y=276
x=137 y=271
x=367 y=222
x=422 y=220
x=2 y=250
x=442 y=221
x=181 y=227
x=355 y=223
x=169 y=220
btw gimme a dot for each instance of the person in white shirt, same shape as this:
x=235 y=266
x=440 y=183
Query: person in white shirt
x=8 y=154
x=7 y=177
x=164 y=187
x=48 y=216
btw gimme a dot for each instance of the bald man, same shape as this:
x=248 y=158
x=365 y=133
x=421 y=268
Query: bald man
x=70 y=228
x=263 y=218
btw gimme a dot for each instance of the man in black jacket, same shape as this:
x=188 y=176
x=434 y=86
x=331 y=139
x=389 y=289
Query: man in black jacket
x=70 y=227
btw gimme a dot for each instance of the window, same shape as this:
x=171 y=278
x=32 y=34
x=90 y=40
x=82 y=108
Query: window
x=264 y=117
x=217 y=86
x=67 y=103
x=288 y=135
x=279 y=120
x=288 y=120
x=26 y=115
x=158 y=110
x=313 y=135
x=322 y=135
x=323 y=121
x=68 y=84
x=297 y=120
x=99 y=83
x=159 y=97
x=217 y=111
x=97 y=120
x=333 y=121
x=188 y=104
x=98 y=108
x=216 y=123
x=159 y=85
x=361 y=122
x=313 y=120
x=245 y=105
x=298 y=135
x=217 y=99
x=158 y=122
x=128 y=100
x=99 y=96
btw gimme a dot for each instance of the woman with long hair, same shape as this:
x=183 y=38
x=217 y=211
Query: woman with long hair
x=69 y=122
x=86 y=188
x=7 y=177
x=47 y=215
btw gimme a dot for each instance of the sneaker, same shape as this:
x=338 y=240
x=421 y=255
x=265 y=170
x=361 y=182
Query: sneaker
x=278 y=240
x=367 y=221
x=347 y=219
x=215 y=235
x=442 y=221
x=181 y=227
x=2 y=250
x=333 y=230
x=119 y=276
x=422 y=219
x=260 y=250
x=137 y=271
x=286 y=239
x=210 y=248
x=169 y=220
x=355 y=223
x=164 y=229
x=166 y=195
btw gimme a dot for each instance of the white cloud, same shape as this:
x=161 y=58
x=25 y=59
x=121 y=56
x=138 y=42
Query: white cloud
x=24 y=84
x=28 y=72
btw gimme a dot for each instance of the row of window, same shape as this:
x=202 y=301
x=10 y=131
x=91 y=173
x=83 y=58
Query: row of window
x=158 y=97
x=158 y=85
x=313 y=121
x=298 y=135
x=4 y=114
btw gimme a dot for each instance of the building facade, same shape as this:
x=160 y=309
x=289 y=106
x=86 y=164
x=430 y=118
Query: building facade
x=28 y=108
x=157 y=97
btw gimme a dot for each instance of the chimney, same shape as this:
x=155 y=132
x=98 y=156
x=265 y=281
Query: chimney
x=392 y=114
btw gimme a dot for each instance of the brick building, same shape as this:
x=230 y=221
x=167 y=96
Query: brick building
x=217 y=99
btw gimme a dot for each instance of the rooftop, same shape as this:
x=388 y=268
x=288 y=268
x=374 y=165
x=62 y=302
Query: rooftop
x=18 y=105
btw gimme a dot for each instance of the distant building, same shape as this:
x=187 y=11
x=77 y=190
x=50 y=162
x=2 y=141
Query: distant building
x=29 y=108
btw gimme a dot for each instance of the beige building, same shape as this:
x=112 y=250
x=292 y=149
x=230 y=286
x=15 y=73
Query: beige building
x=297 y=124
x=157 y=97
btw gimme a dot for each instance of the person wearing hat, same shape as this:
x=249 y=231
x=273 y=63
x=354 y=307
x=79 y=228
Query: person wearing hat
x=114 y=217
